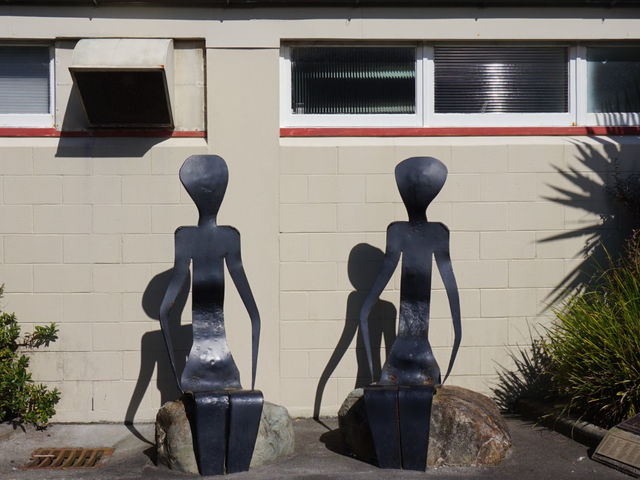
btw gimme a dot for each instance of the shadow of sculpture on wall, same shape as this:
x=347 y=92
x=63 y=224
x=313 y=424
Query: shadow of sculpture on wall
x=364 y=263
x=591 y=190
x=153 y=350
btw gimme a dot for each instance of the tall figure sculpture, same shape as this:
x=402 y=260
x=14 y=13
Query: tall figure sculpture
x=226 y=417
x=399 y=405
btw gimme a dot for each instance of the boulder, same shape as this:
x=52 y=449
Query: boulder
x=174 y=443
x=466 y=428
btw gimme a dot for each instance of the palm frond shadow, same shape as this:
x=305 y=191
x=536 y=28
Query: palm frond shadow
x=595 y=190
x=603 y=188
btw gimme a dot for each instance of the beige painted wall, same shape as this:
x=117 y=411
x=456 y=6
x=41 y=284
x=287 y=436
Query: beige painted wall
x=503 y=202
x=87 y=224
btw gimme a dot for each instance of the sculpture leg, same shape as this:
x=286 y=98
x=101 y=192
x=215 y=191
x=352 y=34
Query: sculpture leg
x=381 y=404
x=211 y=431
x=414 y=412
x=245 y=409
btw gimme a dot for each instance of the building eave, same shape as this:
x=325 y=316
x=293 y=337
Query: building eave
x=334 y=3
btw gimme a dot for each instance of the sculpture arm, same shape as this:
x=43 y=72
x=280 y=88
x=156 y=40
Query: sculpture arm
x=389 y=263
x=179 y=276
x=443 y=261
x=236 y=270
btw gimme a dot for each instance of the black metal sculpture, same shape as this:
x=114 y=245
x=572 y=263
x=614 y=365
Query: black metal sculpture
x=226 y=417
x=399 y=405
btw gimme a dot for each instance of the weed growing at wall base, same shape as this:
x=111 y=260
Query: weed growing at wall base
x=21 y=400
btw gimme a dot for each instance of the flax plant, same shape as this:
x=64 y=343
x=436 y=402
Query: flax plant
x=595 y=344
x=530 y=378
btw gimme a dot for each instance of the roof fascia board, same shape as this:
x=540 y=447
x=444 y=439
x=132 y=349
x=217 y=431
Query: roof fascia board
x=334 y=3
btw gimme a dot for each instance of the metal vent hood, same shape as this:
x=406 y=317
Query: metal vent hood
x=125 y=82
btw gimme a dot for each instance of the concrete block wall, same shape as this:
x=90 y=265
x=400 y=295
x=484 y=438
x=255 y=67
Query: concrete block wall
x=89 y=247
x=504 y=201
x=88 y=224
x=81 y=244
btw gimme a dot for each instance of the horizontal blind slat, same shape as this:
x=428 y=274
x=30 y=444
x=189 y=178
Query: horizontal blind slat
x=500 y=79
x=24 y=80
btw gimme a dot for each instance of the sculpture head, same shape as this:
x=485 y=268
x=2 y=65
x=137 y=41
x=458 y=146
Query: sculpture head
x=205 y=178
x=419 y=180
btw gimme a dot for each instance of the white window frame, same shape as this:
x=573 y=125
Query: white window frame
x=34 y=120
x=500 y=119
x=425 y=115
x=608 y=119
x=290 y=119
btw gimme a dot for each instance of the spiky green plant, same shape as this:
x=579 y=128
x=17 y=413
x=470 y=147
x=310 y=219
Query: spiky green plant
x=595 y=344
x=529 y=379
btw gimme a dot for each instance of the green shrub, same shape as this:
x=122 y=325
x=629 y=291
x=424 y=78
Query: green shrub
x=595 y=344
x=20 y=399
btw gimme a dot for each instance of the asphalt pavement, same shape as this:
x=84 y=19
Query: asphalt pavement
x=537 y=453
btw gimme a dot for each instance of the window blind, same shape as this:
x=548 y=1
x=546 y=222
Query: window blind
x=500 y=79
x=24 y=79
x=353 y=80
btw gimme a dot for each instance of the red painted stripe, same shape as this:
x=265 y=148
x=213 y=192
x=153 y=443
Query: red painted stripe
x=455 y=131
x=340 y=132
x=29 y=132
x=52 y=132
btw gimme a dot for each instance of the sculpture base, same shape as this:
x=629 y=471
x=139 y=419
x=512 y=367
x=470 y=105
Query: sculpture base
x=399 y=423
x=174 y=439
x=466 y=429
x=226 y=424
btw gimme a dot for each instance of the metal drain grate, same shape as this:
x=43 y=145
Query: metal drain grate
x=68 y=457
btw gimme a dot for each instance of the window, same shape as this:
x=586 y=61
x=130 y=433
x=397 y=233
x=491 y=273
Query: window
x=26 y=86
x=460 y=84
x=351 y=85
x=500 y=79
x=499 y=85
x=374 y=80
x=611 y=91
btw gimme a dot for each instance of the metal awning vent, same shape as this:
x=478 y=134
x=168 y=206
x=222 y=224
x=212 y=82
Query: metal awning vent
x=125 y=82
x=68 y=458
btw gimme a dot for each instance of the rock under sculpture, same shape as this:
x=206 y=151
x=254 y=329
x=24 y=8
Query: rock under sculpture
x=466 y=429
x=174 y=439
x=225 y=417
x=399 y=405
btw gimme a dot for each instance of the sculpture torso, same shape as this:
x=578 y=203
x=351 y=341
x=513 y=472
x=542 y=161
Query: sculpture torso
x=411 y=359
x=210 y=365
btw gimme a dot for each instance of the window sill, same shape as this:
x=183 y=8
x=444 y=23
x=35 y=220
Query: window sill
x=52 y=132
x=456 y=131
